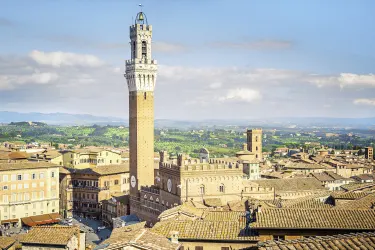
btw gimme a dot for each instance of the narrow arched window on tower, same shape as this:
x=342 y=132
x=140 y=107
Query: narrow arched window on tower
x=145 y=95
x=144 y=49
x=256 y=138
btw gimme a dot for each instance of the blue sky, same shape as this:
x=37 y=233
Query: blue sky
x=301 y=58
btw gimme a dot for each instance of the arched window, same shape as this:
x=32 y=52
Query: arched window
x=256 y=156
x=256 y=148
x=144 y=49
x=256 y=138
x=145 y=95
x=222 y=188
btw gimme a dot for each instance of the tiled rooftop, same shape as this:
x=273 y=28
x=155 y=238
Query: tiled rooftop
x=50 y=235
x=366 y=202
x=99 y=170
x=292 y=184
x=25 y=165
x=363 y=241
x=6 y=242
x=205 y=230
x=139 y=237
x=316 y=219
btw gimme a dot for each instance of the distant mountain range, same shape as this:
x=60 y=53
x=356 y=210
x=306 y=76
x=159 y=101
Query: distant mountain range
x=57 y=118
x=84 y=119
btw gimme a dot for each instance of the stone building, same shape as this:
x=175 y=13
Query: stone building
x=140 y=74
x=116 y=206
x=28 y=189
x=79 y=158
x=369 y=153
x=254 y=142
x=83 y=190
x=54 y=237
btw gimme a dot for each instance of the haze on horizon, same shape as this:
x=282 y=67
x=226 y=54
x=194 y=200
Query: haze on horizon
x=217 y=59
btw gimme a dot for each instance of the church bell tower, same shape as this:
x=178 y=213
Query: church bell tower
x=140 y=74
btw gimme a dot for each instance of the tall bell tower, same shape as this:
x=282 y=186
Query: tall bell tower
x=140 y=74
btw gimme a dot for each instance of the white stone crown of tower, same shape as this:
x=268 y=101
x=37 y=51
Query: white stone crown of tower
x=141 y=69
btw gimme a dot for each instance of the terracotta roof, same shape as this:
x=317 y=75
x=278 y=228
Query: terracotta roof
x=18 y=155
x=363 y=241
x=206 y=230
x=50 y=235
x=366 y=202
x=99 y=170
x=25 y=165
x=41 y=219
x=356 y=186
x=316 y=219
x=6 y=242
x=349 y=195
x=292 y=165
x=213 y=202
x=185 y=209
x=139 y=237
x=112 y=169
x=291 y=184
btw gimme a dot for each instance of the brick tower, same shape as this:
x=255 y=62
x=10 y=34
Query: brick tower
x=140 y=74
x=254 y=142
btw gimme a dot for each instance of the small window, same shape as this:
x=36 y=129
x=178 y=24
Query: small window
x=278 y=237
x=145 y=95
x=116 y=182
x=53 y=174
x=19 y=177
x=221 y=188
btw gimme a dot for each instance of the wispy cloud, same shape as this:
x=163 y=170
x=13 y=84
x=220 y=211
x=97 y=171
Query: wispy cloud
x=241 y=95
x=255 y=45
x=364 y=101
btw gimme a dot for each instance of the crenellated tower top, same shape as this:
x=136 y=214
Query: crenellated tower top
x=141 y=69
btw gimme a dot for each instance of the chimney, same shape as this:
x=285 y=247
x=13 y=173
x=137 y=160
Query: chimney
x=174 y=237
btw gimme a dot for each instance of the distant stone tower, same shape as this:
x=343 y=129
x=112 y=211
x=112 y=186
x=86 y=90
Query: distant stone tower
x=254 y=142
x=140 y=74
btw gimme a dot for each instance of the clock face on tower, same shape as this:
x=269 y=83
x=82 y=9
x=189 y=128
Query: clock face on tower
x=169 y=185
x=133 y=181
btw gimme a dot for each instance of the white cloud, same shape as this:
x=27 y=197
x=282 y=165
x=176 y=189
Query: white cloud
x=364 y=101
x=58 y=59
x=256 y=45
x=215 y=85
x=209 y=91
x=344 y=80
x=242 y=95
